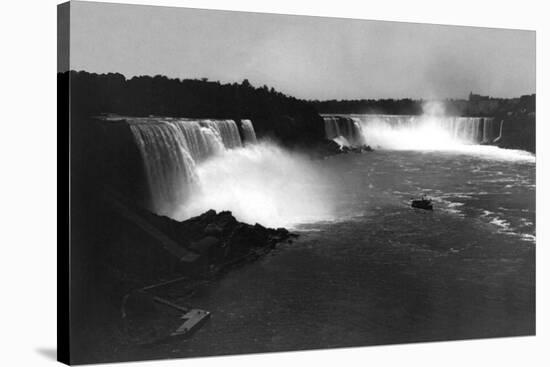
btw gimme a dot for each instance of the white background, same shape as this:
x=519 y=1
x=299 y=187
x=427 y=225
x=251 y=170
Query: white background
x=28 y=198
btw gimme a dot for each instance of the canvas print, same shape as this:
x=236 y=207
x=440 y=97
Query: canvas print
x=248 y=183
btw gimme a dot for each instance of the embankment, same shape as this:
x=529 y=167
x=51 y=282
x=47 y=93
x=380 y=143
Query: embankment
x=118 y=245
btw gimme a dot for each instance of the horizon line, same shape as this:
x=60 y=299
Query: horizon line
x=208 y=80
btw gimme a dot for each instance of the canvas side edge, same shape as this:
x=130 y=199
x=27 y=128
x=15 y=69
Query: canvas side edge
x=63 y=184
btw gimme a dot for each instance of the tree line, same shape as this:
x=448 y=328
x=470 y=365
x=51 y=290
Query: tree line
x=475 y=105
x=283 y=117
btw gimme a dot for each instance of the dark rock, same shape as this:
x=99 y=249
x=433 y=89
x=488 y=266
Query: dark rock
x=332 y=147
x=226 y=221
x=280 y=234
x=213 y=229
x=282 y=230
x=207 y=216
x=204 y=245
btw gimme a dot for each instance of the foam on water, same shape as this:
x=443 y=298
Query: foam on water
x=261 y=183
x=492 y=153
x=428 y=132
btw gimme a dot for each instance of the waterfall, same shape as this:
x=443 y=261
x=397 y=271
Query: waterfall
x=344 y=130
x=172 y=148
x=202 y=142
x=227 y=130
x=409 y=132
x=499 y=133
x=485 y=131
x=249 y=134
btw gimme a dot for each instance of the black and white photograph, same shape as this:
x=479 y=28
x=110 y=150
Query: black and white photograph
x=245 y=182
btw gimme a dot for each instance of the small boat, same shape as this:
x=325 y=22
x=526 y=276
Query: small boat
x=423 y=203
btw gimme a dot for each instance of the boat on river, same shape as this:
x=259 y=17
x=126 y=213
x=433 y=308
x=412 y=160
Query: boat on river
x=423 y=203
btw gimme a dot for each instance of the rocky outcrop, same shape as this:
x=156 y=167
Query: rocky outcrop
x=219 y=239
x=147 y=246
x=359 y=149
x=329 y=148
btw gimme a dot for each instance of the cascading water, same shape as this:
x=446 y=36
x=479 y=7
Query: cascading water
x=171 y=149
x=248 y=131
x=410 y=132
x=226 y=130
x=347 y=130
x=202 y=142
x=169 y=165
x=196 y=165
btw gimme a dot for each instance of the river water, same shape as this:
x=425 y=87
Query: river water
x=382 y=272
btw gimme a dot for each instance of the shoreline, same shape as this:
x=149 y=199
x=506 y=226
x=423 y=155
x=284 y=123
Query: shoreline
x=134 y=274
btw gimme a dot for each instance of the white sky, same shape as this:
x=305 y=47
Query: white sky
x=307 y=57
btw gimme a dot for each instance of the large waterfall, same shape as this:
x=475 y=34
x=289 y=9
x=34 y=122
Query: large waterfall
x=410 y=132
x=171 y=149
x=195 y=165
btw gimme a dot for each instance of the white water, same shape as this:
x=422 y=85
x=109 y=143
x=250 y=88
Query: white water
x=196 y=165
x=261 y=183
x=430 y=132
x=169 y=161
x=172 y=148
x=248 y=132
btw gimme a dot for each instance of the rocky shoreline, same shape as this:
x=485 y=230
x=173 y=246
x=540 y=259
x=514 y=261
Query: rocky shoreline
x=148 y=258
x=156 y=248
x=219 y=240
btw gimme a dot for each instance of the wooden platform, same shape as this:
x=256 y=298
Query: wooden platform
x=193 y=320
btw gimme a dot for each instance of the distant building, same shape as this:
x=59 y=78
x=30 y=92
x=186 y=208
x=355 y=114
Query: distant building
x=477 y=97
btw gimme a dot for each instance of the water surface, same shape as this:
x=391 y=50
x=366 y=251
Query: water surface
x=382 y=272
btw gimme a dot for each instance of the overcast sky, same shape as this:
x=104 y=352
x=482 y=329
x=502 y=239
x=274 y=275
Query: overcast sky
x=307 y=57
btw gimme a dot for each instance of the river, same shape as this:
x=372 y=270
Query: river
x=381 y=272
